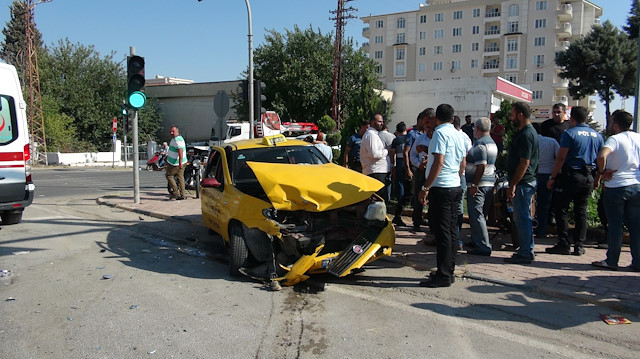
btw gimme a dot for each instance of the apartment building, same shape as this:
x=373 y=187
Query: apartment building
x=462 y=39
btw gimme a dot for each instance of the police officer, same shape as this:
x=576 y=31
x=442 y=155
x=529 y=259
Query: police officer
x=572 y=178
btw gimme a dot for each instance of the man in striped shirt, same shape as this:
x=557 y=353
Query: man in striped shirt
x=176 y=158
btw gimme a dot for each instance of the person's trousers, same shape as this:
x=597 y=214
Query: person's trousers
x=477 y=221
x=622 y=206
x=382 y=177
x=402 y=188
x=418 y=182
x=173 y=173
x=575 y=186
x=443 y=220
x=543 y=203
x=463 y=185
x=522 y=217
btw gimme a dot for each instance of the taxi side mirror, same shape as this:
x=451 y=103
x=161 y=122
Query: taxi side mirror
x=211 y=182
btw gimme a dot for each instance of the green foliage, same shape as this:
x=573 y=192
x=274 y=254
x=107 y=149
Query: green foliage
x=326 y=124
x=333 y=138
x=59 y=128
x=14 y=46
x=633 y=21
x=603 y=61
x=503 y=116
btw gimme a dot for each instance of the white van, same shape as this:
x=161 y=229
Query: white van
x=16 y=186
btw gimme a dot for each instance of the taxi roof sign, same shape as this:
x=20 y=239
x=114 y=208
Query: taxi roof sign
x=274 y=140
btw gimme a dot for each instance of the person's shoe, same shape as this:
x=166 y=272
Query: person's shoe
x=558 y=250
x=471 y=245
x=476 y=252
x=172 y=198
x=433 y=274
x=435 y=282
x=603 y=246
x=180 y=198
x=604 y=265
x=578 y=251
x=518 y=259
x=398 y=221
x=415 y=228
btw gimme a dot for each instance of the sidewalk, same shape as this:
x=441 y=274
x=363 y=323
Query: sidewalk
x=561 y=276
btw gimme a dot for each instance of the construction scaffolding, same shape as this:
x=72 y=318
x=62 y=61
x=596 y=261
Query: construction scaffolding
x=342 y=14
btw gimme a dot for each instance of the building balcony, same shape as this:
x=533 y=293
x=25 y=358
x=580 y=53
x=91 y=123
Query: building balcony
x=492 y=14
x=491 y=34
x=365 y=46
x=562 y=99
x=562 y=45
x=490 y=67
x=489 y=49
x=366 y=32
x=564 y=29
x=565 y=12
x=560 y=83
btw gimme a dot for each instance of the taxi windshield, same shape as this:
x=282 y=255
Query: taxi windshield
x=308 y=155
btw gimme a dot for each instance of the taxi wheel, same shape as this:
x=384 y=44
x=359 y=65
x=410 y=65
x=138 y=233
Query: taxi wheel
x=238 y=251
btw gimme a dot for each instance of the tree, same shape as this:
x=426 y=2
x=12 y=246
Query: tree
x=602 y=62
x=14 y=46
x=633 y=21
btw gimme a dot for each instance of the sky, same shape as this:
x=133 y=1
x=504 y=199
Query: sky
x=207 y=40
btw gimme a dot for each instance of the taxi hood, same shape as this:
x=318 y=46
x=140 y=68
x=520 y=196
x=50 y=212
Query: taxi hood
x=314 y=188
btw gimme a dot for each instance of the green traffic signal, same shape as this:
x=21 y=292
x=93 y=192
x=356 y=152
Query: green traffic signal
x=135 y=82
x=137 y=99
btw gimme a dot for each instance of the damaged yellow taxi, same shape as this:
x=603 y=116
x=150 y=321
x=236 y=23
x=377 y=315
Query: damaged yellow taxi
x=285 y=212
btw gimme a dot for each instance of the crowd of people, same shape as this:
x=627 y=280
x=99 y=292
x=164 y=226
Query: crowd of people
x=439 y=163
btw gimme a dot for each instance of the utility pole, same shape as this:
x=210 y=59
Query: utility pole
x=34 y=110
x=134 y=130
x=341 y=16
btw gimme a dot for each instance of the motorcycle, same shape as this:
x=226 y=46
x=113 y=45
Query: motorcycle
x=197 y=157
x=501 y=209
x=153 y=164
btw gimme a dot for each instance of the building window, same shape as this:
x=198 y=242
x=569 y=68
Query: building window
x=512 y=26
x=456 y=65
x=512 y=61
x=400 y=38
x=539 y=41
x=475 y=29
x=538 y=60
x=456 y=48
x=438 y=17
x=512 y=44
x=423 y=35
x=399 y=69
x=541 y=23
x=536 y=95
x=422 y=51
x=401 y=23
x=541 y=5
x=538 y=77
x=475 y=46
x=457 y=31
x=514 y=10
x=378 y=55
x=437 y=50
x=437 y=66
x=457 y=15
x=422 y=67
x=400 y=54
x=423 y=19
x=379 y=23
x=378 y=39
x=511 y=77
x=438 y=34
x=474 y=64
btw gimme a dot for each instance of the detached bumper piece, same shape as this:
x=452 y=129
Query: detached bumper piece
x=343 y=264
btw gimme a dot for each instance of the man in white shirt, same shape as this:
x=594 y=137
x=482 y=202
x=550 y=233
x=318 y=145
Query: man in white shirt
x=617 y=163
x=373 y=153
x=387 y=138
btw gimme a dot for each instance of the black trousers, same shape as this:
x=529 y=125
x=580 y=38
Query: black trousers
x=575 y=186
x=443 y=221
x=382 y=177
x=418 y=182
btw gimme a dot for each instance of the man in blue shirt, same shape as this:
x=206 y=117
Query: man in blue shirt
x=352 y=152
x=572 y=177
x=445 y=165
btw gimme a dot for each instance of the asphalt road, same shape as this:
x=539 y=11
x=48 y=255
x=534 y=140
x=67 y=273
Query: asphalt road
x=165 y=297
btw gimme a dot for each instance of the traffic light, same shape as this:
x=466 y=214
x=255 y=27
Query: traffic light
x=258 y=98
x=244 y=90
x=135 y=82
x=123 y=110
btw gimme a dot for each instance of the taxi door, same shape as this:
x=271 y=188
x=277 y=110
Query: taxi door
x=214 y=213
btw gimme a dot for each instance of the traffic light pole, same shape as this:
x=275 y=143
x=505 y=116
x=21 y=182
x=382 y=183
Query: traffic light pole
x=134 y=130
x=250 y=84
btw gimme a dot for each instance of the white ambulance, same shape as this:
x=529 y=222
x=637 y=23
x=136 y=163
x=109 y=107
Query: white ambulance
x=16 y=186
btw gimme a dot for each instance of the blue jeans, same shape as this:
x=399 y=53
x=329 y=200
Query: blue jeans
x=477 y=222
x=622 y=205
x=522 y=218
x=543 y=203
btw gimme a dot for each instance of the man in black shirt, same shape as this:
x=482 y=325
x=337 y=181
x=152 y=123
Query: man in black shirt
x=557 y=124
x=468 y=127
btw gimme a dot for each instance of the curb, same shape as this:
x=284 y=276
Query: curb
x=102 y=201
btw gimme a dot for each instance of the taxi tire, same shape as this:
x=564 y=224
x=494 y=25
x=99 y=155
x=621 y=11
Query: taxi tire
x=11 y=217
x=238 y=252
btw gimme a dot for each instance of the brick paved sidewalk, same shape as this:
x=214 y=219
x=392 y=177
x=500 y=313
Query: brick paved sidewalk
x=565 y=276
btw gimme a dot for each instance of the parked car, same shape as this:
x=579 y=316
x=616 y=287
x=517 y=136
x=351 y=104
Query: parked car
x=286 y=213
x=16 y=186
